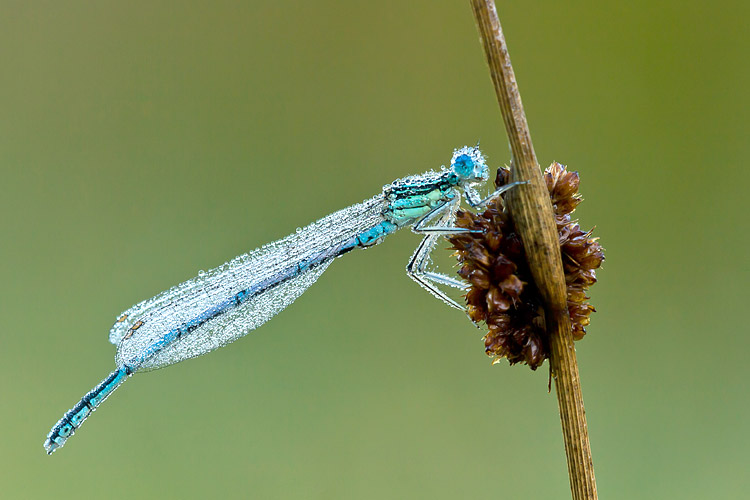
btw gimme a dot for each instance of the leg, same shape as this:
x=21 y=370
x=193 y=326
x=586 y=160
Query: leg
x=445 y=225
x=417 y=267
x=415 y=270
x=472 y=196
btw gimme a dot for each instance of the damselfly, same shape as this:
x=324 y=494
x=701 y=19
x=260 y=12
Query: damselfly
x=220 y=306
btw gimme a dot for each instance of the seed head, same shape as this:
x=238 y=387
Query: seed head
x=502 y=293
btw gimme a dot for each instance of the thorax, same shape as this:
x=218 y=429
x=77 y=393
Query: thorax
x=411 y=198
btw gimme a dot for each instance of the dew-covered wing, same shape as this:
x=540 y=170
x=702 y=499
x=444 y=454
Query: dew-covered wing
x=236 y=322
x=204 y=313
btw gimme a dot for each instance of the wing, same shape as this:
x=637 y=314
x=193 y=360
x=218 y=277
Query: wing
x=235 y=323
x=206 y=312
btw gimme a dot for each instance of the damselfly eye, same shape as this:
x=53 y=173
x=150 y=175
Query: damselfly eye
x=463 y=165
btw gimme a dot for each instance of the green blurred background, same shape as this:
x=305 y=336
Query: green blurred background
x=140 y=143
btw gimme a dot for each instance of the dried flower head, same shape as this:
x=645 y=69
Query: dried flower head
x=502 y=292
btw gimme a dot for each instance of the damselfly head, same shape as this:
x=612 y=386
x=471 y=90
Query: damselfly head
x=469 y=164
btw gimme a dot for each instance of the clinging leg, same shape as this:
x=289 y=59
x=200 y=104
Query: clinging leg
x=417 y=267
x=472 y=197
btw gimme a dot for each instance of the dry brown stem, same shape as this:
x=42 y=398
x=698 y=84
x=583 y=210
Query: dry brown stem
x=532 y=214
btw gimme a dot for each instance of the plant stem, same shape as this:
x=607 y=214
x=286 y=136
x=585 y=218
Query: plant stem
x=533 y=217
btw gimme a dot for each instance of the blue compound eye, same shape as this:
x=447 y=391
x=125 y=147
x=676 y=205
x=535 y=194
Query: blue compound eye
x=463 y=165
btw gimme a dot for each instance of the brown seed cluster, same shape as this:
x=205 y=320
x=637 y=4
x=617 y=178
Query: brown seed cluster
x=502 y=292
